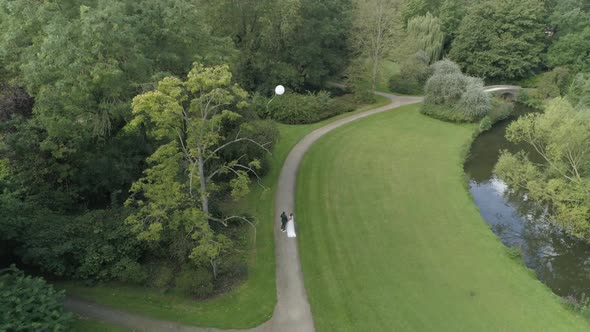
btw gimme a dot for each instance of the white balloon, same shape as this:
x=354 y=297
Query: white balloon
x=279 y=90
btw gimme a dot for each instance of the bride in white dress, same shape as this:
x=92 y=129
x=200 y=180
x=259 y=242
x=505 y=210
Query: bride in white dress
x=291 y=226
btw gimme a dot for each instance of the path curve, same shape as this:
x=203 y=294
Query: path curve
x=292 y=312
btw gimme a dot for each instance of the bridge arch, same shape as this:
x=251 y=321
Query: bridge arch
x=508 y=92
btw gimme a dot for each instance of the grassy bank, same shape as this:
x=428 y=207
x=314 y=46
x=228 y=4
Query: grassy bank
x=87 y=325
x=252 y=302
x=390 y=239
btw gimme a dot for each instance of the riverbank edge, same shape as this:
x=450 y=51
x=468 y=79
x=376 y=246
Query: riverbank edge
x=463 y=156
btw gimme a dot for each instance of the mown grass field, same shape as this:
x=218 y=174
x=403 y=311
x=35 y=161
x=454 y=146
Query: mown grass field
x=87 y=325
x=250 y=304
x=390 y=239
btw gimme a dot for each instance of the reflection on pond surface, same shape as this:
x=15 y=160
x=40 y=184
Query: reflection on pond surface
x=560 y=261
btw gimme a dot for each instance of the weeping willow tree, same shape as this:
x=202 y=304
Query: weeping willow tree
x=424 y=33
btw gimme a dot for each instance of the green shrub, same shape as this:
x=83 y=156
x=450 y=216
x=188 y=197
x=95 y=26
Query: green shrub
x=337 y=91
x=554 y=83
x=339 y=105
x=514 y=253
x=129 y=271
x=91 y=246
x=295 y=108
x=363 y=94
x=475 y=103
x=412 y=76
x=578 y=304
x=398 y=84
x=161 y=274
x=197 y=281
x=579 y=91
x=452 y=96
x=233 y=266
x=445 y=89
x=29 y=304
x=501 y=109
x=485 y=124
x=445 y=67
x=531 y=98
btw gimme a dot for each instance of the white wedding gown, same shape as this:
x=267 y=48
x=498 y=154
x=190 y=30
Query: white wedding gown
x=291 y=228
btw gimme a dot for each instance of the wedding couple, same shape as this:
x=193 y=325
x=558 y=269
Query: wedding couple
x=288 y=224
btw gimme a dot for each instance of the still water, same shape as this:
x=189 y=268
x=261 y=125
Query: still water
x=560 y=261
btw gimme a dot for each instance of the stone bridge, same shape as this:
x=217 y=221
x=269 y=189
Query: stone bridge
x=505 y=91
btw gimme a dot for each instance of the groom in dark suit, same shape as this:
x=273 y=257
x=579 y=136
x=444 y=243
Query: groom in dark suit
x=284 y=220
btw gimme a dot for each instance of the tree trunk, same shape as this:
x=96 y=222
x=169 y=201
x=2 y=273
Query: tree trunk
x=203 y=182
x=374 y=74
x=214 y=265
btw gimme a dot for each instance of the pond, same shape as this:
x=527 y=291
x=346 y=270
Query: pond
x=560 y=261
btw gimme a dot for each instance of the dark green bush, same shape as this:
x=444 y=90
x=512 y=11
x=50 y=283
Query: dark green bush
x=339 y=105
x=29 y=304
x=233 y=266
x=579 y=91
x=337 y=91
x=501 y=109
x=412 y=76
x=161 y=276
x=397 y=83
x=485 y=124
x=93 y=246
x=130 y=272
x=293 y=108
x=554 y=83
x=198 y=282
x=530 y=98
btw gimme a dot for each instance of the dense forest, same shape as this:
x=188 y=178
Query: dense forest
x=127 y=127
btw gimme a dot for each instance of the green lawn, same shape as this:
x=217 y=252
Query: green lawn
x=390 y=239
x=87 y=325
x=252 y=302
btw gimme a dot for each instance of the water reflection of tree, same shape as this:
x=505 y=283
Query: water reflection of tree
x=559 y=260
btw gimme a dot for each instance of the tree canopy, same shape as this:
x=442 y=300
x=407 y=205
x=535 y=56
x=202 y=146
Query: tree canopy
x=424 y=34
x=501 y=39
x=561 y=137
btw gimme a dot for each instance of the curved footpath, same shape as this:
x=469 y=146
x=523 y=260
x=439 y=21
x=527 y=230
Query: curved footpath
x=292 y=312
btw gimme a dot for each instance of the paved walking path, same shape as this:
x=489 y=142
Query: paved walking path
x=292 y=312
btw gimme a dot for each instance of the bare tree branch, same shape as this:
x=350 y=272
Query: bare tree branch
x=224 y=221
x=236 y=141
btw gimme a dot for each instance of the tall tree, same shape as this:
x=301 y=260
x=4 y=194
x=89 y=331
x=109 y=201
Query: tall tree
x=376 y=27
x=424 y=34
x=413 y=8
x=299 y=43
x=187 y=118
x=501 y=39
x=561 y=137
x=451 y=14
x=569 y=23
x=83 y=61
